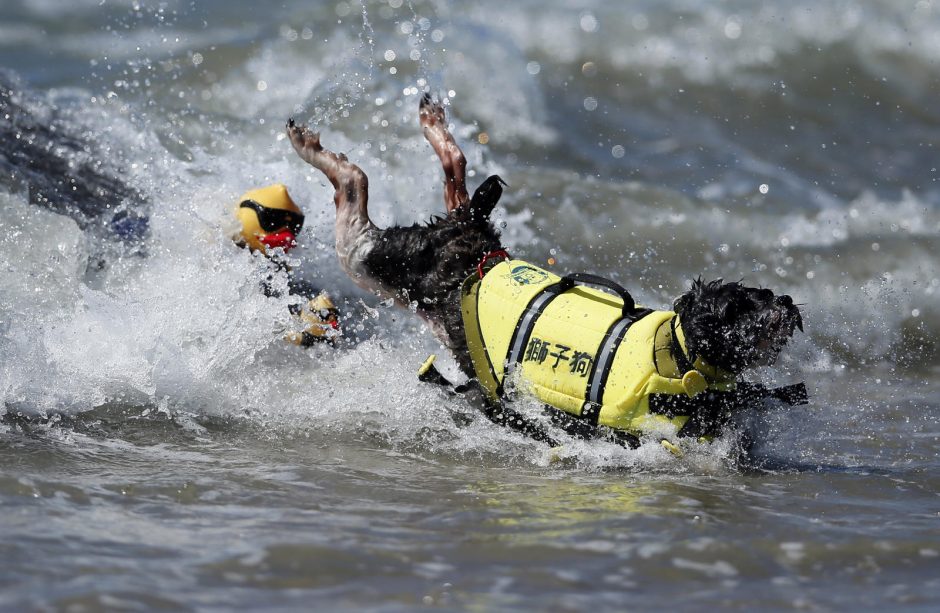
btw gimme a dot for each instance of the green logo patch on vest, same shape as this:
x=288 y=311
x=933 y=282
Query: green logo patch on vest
x=527 y=275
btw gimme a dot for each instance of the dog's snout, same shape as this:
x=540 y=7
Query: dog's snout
x=786 y=300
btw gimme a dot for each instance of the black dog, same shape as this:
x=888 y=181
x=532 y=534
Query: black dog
x=728 y=326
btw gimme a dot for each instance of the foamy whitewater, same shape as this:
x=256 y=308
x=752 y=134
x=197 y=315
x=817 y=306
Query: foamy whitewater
x=164 y=447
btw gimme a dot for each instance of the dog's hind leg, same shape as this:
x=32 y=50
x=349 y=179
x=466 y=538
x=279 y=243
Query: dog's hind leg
x=349 y=181
x=355 y=232
x=434 y=124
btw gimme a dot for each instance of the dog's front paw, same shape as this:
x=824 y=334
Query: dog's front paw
x=304 y=140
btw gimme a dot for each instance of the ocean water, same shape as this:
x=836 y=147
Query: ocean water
x=164 y=448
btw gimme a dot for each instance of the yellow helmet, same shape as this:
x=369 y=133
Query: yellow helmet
x=269 y=218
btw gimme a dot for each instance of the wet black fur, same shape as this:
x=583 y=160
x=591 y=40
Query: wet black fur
x=427 y=263
x=725 y=323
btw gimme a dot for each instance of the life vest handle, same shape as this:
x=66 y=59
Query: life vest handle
x=629 y=306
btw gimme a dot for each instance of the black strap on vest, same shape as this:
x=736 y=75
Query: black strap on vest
x=604 y=360
x=683 y=363
x=577 y=427
x=523 y=330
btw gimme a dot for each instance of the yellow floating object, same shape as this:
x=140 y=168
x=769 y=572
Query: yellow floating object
x=671 y=448
x=273 y=197
x=427 y=364
x=321 y=318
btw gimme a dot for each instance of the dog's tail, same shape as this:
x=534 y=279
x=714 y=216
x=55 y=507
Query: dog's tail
x=483 y=202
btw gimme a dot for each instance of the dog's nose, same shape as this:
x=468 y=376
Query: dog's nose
x=786 y=301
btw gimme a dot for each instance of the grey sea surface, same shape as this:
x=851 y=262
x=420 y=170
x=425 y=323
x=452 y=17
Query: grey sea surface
x=164 y=448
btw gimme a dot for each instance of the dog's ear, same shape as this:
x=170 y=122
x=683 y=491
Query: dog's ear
x=484 y=200
x=705 y=316
x=687 y=299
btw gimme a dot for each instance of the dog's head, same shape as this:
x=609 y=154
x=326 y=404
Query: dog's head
x=735 y=327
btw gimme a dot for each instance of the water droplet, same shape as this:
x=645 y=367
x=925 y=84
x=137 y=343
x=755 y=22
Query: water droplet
x=618 y=151
x=588 y=22
x=764 y=188
x=533 y=68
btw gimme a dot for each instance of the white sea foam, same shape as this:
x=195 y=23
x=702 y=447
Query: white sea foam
x=183 y=325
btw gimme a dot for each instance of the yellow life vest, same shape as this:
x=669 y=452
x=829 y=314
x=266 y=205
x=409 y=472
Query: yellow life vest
x=581 y=350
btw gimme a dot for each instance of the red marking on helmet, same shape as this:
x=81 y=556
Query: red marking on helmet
x=284 y=239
